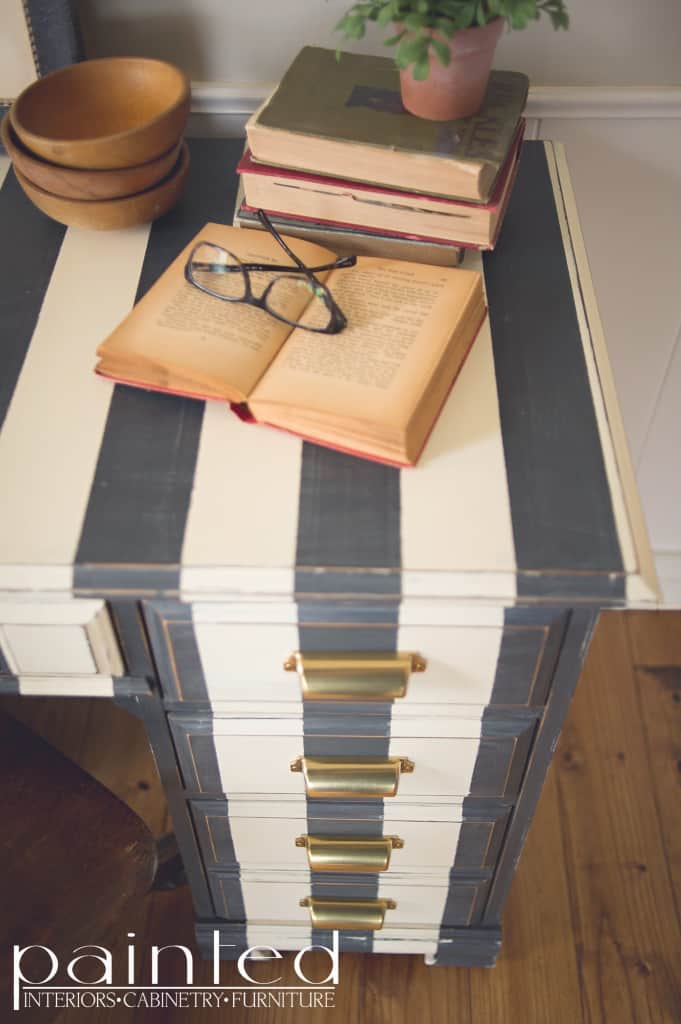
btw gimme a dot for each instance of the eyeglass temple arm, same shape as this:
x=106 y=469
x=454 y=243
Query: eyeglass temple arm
x=226 y=268
x=340 y=263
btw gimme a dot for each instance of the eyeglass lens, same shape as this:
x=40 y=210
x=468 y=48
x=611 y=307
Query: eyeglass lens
x=219 y=271
x=288 y=297
x=297 y=300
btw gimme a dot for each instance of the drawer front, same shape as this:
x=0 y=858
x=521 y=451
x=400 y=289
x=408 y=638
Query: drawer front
x=484 y=657
x=427 y=902
x=264 y=834
x=59 y=648
x=451 y=758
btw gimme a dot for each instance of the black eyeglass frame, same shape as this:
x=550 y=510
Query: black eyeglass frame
x=338 y=319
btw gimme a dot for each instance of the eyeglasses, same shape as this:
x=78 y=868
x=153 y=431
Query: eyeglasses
x=220 y=273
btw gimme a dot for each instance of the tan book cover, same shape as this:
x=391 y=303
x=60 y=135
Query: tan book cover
x=321 y=199
x=326 y=115
x=375 y=388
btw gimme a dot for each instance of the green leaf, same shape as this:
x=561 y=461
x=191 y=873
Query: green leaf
x=413 y=50
x=384 y=16
x=420 y=70
x=415 y=21
x=442 y=51
x=394 y=40
x=446 y=26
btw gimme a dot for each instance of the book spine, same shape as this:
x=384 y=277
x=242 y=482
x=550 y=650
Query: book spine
x=356 y=243
x=459 y=228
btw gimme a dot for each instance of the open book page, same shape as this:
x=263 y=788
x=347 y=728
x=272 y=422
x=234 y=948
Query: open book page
x=401 y=320
x=180 y=339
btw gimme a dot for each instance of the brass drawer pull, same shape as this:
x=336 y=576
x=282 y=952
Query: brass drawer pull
x=365 y=915
x=340 y=676
x=349 y=853
x=372 y=777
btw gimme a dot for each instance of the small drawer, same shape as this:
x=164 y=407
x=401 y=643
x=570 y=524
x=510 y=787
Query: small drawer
x=451 y=757
x=59 y=648
x=266 y=834
x=424 y=901
x=486 y=656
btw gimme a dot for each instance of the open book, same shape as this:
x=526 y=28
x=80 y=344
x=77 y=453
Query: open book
x=374 y=389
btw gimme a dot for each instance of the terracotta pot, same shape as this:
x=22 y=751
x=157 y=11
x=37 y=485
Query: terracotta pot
x=458 y=89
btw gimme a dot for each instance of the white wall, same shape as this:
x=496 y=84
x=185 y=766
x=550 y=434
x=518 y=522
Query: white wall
x=611 y=42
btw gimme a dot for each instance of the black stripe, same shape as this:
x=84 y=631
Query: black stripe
x=176 y=651
x=349 y=519
x=139 y=499
x=9 y=686
x=560 y=500
x=53 y=29
x=4 y=664
x=346 y=729
x=29 y=251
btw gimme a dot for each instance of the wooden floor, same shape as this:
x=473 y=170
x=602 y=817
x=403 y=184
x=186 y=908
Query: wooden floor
x=592 y=929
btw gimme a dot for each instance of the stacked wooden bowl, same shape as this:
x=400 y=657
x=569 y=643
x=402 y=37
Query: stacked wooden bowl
x=99 y=144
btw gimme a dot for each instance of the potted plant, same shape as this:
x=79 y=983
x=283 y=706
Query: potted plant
x=445 y=47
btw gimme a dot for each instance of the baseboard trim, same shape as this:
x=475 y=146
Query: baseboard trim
x=240 y=99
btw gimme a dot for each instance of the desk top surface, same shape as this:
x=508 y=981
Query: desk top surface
x=524 y=491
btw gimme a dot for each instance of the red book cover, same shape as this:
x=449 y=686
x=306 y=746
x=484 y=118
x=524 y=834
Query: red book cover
x=498 y=200
x=247 y=165
x=243 y=412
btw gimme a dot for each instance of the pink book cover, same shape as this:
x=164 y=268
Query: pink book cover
x=244 y=413
x=247 y=165
x=509 y=170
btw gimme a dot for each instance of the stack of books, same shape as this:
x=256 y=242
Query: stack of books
x=334 y=158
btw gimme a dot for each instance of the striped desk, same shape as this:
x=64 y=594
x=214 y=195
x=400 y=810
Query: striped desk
x=352 y=676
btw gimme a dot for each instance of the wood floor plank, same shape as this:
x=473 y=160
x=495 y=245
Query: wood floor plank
x=404 y=989
x=659 y=694
x=536 y=976
x=627 y=939
x=655 y=637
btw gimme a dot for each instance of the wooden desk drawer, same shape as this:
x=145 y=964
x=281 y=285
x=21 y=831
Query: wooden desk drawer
x=451 y=757
x=486 y=656
x=263 y=834
x=59 y=648
x=428 y=901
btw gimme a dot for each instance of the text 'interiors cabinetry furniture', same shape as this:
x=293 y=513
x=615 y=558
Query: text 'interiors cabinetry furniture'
x=352 y=677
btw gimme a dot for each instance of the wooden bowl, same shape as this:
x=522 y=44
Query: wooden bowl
x=104 y=214
x=80 y=183
x=103 y=114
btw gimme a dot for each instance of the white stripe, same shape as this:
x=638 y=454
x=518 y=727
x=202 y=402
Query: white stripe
x=257 y=612
x=5 y=164
x=260 y=763
x=461 y=664
x=280 y=936
x=54 y=579
x=60 y=686
x=456 y=515
x=426 y=613
x=417 y=904
x=35 y=611
x=246 y=661
x=641 y=583
x=53 y=649
x=442 y=767
x=244 y=507
x=270 y=842
x=245 y=806
x=17 y=66
x=51 y=436
x=412 y=942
